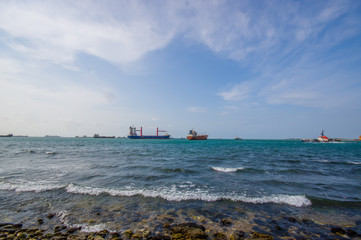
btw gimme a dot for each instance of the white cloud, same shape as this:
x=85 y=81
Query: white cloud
x=241 y=91
x=57 y=32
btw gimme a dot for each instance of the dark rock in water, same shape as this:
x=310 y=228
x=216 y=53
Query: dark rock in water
x=114 y=234
x=5 y=224
x=18 y=225
x=40 y=221
x=226 y=222
x=50 y=215
x=238 y=235
x=185 y=227
x=278 y=228
x=219 y=236
x=306 y=221
x=102 y=233
x=291 y=219
x=128 y=233
x=158 y=237
x=351 y=232
x=338 y=230
x=59 y=228
x=188 y=231
x=257 y=235
x=72 y=230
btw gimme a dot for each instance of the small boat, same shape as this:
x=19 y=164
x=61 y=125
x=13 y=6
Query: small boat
x=193 y=135
x=237 y=138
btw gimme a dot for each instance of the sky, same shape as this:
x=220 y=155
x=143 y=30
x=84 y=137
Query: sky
x=252 y=69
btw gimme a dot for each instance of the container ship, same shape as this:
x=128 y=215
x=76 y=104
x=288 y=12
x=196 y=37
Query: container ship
x=133 y=134
x=193 y=135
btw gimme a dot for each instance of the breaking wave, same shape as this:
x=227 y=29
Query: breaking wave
x=173 y=193
x=227 y=170
x=29 y=187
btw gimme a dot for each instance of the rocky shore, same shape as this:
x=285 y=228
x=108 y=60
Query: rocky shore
x=286 y=228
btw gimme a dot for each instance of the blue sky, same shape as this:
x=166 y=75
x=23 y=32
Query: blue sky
x=254 y=69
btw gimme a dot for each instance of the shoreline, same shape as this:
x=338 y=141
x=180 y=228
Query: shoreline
x=259 y=227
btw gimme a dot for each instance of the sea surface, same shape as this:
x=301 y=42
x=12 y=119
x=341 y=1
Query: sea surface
x=117 y=184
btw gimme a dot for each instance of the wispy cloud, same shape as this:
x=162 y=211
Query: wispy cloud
x=57 y=31
x=195 y=109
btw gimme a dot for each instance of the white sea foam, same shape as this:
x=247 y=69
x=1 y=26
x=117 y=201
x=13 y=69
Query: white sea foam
x=83 y=227
x=51 y=153
x=91 y=228
x=174 y=193
x=293 y=200
x=24 y=186
x=227 y=170
x=356 y=163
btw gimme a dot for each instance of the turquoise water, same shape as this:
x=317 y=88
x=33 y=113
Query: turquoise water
x=119 y=183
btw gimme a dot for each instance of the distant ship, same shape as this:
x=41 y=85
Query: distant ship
x=322 y=138
x=237 y=138
x=193 y=135
x=133 y=134
x=8 y=135
x=98 y=136
x=52 y=136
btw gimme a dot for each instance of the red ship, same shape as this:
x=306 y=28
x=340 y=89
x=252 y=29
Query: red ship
x=193 y=135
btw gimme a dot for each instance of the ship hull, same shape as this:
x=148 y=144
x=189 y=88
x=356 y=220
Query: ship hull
x=199 y=137
x=149 y=137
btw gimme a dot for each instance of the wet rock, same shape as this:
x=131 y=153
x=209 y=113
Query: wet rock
x=338 y=231
x=50 y=215
x=186 y=227
x=59 y=228
x=98 y=238
x=219 y=236
x=291 y=219
x=114 y=235
x=226 y=222
x=128 y=233
x=11 y=236
x=188 y=231
x=40 y=221
x=278 y=228
x=146 y=233
x=351 y=232
x=158 y=237
x=166 y=225
x=137 y=235
x=178 y=236
x=72 y=230
x=257 y=235
x=21 y=235
x=102 y=233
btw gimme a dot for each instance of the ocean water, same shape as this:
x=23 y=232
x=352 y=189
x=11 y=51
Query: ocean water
x=117 y=184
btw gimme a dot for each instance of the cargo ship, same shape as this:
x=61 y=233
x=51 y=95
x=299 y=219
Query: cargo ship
x=98 y=136
x=193 y=135
x=8 y=135
x=133 y=134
